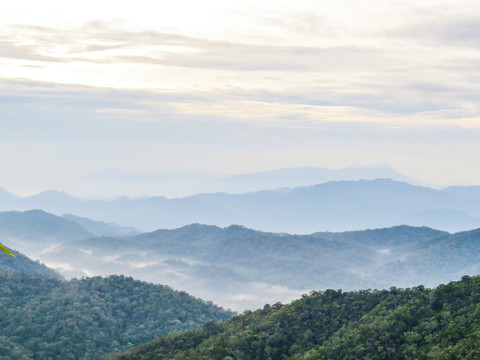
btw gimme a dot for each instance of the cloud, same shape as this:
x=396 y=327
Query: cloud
x=407 y=103
x=279 y=25
x=255 y=81
x=304 y=22
x=10 y=49
x=127 y=114
x=448 y=30
x=98 y=43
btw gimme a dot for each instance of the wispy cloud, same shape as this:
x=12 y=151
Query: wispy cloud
x=97 y=42
x=404 y=103
x=126 y=114
x=370 y=79
x=302 y=83
x=446 y=30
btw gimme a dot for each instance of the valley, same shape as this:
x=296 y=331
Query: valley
x=241 y=268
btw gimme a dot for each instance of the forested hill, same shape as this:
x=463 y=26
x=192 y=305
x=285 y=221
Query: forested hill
x=46 y=318
x=414 y=323
x=23 y=264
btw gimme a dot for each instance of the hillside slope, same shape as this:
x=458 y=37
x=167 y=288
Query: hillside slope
x=414 y=323
x=89 y=318
x=23 y=264
x=99 y=228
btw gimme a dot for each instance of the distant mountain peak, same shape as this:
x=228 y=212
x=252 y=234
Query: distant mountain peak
x=310 y=175
x=100 y=228
x=54 y=194
x=6 y=195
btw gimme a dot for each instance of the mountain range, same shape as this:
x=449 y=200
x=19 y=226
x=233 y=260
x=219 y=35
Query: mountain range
x=240 y=268
x=187 y=183
x=45 y=317
x=34 y=231
x=331 y=206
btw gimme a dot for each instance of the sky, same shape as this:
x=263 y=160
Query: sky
x=232 y=87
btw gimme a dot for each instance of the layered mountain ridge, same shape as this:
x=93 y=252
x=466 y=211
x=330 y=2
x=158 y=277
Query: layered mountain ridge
x=240 y=268
x=331 y=206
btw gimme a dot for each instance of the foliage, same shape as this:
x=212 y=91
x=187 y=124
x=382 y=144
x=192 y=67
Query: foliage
x=90 y=318
x=21 y=263
x=414 y=323
x=11 y=351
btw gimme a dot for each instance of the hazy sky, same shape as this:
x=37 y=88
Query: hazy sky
x=235 y=87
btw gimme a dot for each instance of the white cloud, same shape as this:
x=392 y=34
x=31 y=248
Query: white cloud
x=235 y=87
x=126 y=114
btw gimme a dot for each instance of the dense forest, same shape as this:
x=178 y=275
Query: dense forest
x=412 y=323
x=23 y=264
x=47 y=318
